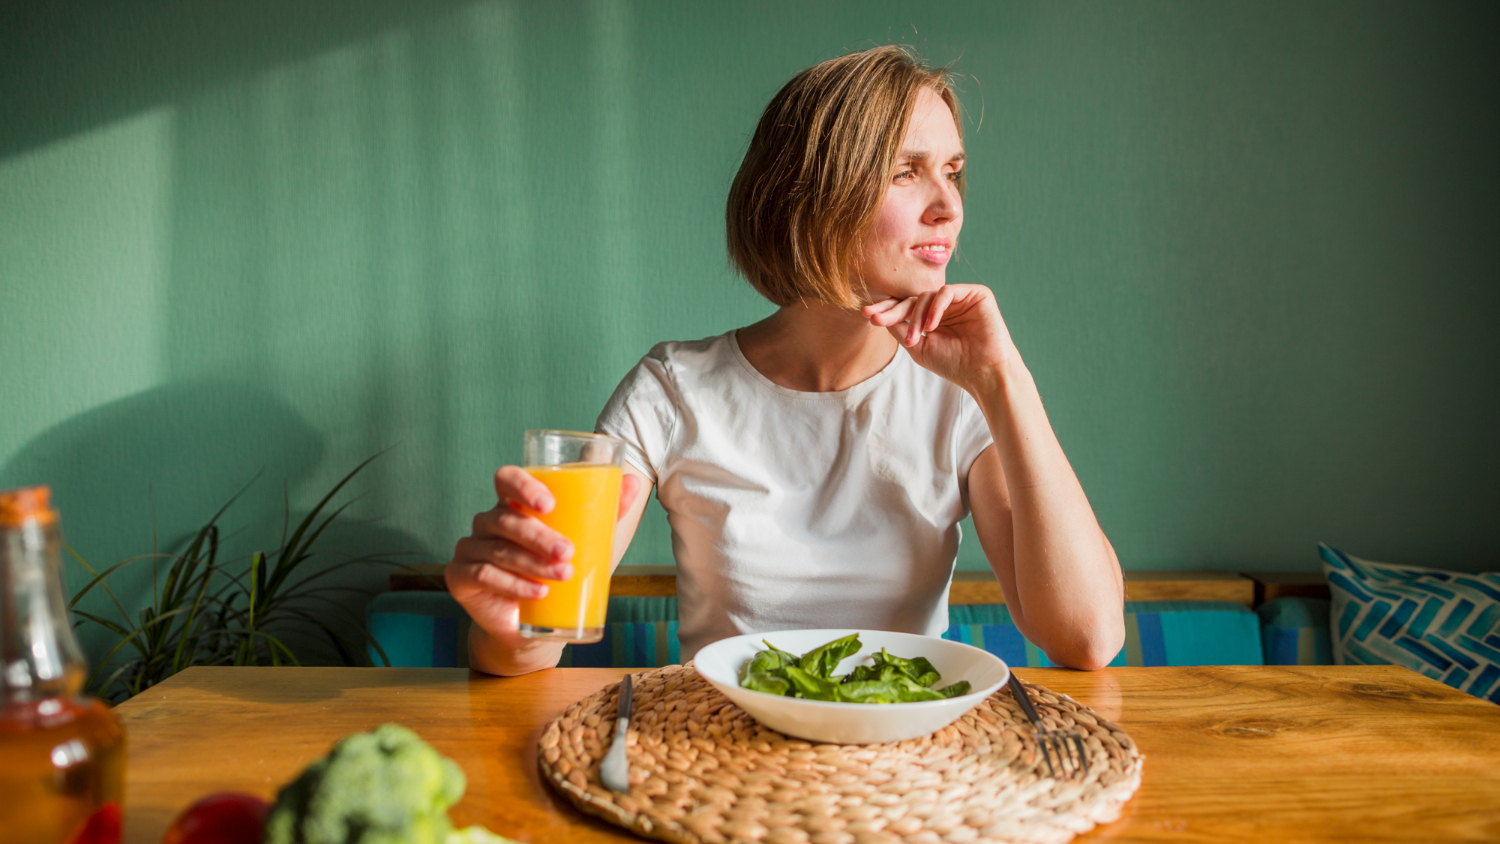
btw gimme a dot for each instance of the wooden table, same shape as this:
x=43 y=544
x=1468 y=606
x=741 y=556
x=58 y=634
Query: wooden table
x=1274 y=754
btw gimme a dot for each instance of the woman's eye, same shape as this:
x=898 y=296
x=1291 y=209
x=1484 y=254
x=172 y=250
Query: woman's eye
x=956 y=175
x=905 y=174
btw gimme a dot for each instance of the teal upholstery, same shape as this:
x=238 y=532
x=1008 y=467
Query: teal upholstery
x=1156 y=633
x=429 y=629
x=1294 y=631
x=1442 y=624
x=418 y=630
x=638 y=633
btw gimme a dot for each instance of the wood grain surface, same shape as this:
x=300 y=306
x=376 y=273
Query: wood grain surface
x=969 y=587
x=1274 y=754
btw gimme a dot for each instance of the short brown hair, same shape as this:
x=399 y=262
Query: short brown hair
x=817 y=168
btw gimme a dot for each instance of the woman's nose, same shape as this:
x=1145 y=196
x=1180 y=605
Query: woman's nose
x=944 y=204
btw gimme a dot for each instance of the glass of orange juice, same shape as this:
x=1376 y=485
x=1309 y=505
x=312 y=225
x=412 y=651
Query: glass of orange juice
x=583 y=471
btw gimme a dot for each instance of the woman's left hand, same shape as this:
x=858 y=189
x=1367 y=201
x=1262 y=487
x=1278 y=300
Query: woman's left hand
x=956 y=332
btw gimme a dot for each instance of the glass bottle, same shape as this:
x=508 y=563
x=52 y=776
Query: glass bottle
x=62 y=755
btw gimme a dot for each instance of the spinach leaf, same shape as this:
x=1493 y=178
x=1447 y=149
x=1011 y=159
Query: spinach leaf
x=955 y=690
x=824 y=659
x=869 y=691
x=890 y=679
x=786 y=658
x=863 y=673
x=917 y=669
x=901 y=690
x=810 y=686
x=765 y=681
x=771 y=660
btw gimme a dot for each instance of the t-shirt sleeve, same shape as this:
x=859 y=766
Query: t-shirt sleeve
x=972 y=437
x=643 y=412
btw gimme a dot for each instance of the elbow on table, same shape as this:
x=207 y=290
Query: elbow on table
x=1092 y=649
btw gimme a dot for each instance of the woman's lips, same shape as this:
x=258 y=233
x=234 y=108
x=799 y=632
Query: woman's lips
x=934 y=253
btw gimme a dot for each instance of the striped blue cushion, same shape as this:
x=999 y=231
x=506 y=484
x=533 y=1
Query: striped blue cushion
x=430 y=629
x=1294 y=631
x=1443 y=624
x=629 y=644
x=418 y=630
x=1156 y=633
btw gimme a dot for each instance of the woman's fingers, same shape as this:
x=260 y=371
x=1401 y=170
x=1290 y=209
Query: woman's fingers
x=523 y=530
x=919 y=314
x=489 y=594
x=467 y=578
x=939 y=306
x=880 y=307
x=508 y=584
x=917 y=321
x=513 y=558
x=515 y=485
x=891 y=315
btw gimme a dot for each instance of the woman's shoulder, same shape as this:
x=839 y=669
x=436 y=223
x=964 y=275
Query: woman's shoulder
x=674 y=350
x=687 y=359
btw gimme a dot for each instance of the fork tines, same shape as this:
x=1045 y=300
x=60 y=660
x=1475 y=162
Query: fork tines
x=1064 y=752
x=1071 y=757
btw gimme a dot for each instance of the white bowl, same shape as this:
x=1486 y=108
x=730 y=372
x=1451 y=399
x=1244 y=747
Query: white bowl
x=854 y=723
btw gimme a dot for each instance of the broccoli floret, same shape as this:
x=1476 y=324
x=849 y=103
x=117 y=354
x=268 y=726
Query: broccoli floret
x=382 y=787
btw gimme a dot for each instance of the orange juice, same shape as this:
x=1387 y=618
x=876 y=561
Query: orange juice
x=588 y=497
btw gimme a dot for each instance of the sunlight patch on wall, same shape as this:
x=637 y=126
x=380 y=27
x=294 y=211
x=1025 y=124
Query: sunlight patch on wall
x=83 y=235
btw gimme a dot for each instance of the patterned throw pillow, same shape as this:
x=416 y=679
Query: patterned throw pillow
x=1443 y=624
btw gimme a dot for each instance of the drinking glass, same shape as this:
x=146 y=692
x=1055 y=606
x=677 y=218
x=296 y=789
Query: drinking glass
x=583 y=471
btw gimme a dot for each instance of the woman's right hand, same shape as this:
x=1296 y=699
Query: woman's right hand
x=509 y=550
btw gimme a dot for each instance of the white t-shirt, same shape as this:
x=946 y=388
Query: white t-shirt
x=794 y=510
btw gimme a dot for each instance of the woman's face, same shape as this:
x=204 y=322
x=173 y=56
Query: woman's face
x=916 y=228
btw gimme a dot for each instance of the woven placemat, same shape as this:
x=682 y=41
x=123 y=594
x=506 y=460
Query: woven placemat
x=702 y=771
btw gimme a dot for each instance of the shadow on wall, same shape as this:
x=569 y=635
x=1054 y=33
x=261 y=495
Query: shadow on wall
x=148 y=470
x=71 y=67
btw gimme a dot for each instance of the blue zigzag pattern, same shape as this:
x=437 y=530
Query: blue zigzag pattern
x=1442 y=624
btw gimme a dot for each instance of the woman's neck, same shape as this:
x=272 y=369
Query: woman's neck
x=816 y=348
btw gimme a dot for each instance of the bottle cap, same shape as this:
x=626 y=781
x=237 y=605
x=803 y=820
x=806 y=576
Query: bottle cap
x=18 y=506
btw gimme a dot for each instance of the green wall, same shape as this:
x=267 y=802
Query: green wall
x=1249 y=251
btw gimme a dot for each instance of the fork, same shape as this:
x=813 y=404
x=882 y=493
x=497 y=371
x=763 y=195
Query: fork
x=1064 y=751
x=614 y=770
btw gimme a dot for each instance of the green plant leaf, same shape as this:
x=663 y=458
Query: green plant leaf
x=257 y=585
x=99 y=578
x=202 y=613
x=307 y=521
x=108 y=591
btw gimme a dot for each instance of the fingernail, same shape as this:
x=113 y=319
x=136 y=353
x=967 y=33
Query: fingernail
x=563 y=551
x=562 y=572
x=542 y=505
x=538 y=590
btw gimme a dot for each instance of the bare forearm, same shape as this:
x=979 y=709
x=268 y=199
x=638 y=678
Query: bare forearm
x=1068 y=592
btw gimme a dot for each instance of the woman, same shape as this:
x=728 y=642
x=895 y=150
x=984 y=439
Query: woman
x=814 y=466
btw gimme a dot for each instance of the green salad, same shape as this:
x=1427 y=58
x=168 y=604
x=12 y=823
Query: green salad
x=891 y=679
